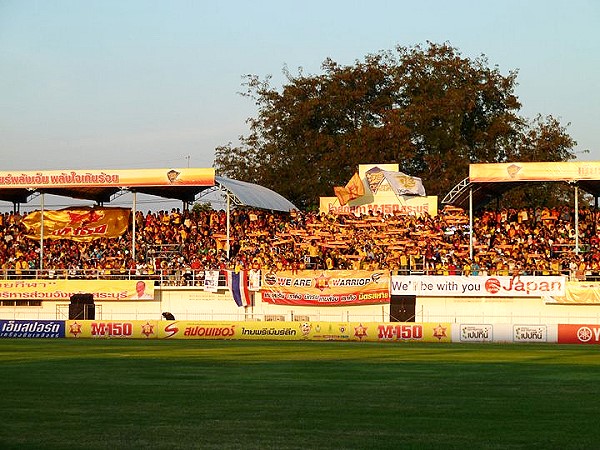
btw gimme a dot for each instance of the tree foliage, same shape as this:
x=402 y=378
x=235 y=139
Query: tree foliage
x=430 y=110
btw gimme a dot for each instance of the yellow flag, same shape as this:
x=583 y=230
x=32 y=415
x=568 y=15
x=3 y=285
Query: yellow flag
x=342 y=194
x=355 y=187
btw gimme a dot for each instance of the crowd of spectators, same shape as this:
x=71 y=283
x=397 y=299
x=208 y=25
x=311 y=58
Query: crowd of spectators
x=178 y=245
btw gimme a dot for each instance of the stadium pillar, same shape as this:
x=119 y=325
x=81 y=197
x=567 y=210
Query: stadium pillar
x=133 y=207
x=42 y=232
x=595 y=211
x=228 y=220
x=471 y=223
x=576 y=219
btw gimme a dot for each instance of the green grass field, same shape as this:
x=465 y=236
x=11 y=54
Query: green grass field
x=119 y=394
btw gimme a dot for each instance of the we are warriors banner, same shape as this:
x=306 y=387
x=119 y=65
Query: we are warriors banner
x=326 y=287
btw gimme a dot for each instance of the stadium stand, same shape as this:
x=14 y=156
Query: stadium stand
x=175 y=247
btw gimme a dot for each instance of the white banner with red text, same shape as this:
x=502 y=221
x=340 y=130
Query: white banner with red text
x=478 y=286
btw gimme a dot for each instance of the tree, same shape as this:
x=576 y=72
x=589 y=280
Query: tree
x=430 y=110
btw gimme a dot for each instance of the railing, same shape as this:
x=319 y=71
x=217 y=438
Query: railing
x=195 y=278
x=161 y=277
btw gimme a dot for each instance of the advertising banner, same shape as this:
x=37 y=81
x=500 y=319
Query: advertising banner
x=107 y=178
x=32 y=329
x=535 y=171
x=478 y=286
x=578 y=334
x=409 y=206
x=530 y=333
x=476 y=333
x=383 y=189
x=318 y=331
x=229 y=330
x=408 y=331
x=41 y=289
x=326 y=287
x=127 y=329
x=78 y=224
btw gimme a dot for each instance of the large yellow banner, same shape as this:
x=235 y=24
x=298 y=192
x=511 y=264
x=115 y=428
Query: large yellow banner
x=383 y=191
x=578 y=293
x=326 y=287
x=106 y=178
x=78 y=224
x=40 y=289
x=534 y=171
x=316 y=331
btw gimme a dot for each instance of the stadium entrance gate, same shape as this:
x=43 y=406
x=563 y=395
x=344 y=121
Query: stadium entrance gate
x=402 y=308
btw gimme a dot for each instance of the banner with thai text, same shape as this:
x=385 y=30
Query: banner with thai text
x=307 y=330
x=504 y=332
x=77 y=224
x=478 y=286
x=326 y=287
x=535 y=171
x=63 y=290
x=125 y=329
x=32 y=329
x=410 y=206
x=105 y=178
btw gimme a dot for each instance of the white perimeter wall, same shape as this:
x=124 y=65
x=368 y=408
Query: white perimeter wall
x=521 y=310
x=194 y=304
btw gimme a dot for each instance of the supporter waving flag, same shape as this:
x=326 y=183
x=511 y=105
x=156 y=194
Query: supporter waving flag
x=238 y=286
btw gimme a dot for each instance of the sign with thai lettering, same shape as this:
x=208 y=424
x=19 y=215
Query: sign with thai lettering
x=32 y=329
x=106 y=178
x=307 y=330
x=63 y=290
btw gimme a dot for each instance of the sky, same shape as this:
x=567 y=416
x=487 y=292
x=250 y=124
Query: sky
x=133 y=84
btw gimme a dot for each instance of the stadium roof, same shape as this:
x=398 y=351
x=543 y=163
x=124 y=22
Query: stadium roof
x=102 y=187
x=249 y=194
x=488 y=182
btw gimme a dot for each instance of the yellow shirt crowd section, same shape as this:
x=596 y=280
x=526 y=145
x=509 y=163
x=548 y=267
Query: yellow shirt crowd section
x=528 y=241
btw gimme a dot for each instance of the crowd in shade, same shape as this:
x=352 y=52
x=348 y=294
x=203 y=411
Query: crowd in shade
x=180 y=245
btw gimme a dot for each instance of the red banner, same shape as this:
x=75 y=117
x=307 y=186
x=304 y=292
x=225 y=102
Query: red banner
x=578 y=334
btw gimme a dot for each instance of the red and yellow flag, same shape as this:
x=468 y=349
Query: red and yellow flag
x=78 y=224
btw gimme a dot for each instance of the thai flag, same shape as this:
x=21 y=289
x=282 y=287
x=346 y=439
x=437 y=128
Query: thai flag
x=238 y=286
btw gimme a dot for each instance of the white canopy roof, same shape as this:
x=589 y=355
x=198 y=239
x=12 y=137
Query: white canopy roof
x=254 y=195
